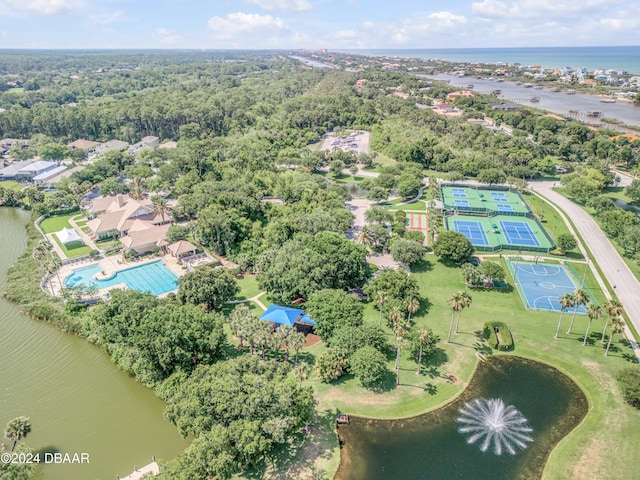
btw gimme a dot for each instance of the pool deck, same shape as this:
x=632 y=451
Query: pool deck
x=111 y=265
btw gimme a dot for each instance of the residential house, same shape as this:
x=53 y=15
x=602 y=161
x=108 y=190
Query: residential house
x=453 y=95
x=34 y=169
x=9 y=143
x=52 y=181
x=146 y=142
x=169 y=144
x=87 y=145
x=10 y=172
x=116 y=145
x=40 y=179
x=507 y=107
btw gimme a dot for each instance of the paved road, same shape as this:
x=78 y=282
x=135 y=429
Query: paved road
x=627 y=286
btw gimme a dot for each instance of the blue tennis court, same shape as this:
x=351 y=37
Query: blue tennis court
x=543 y=285
x=499 y=197
x=458 y=192
x=519 y=233
x=504 y=207
x=461 y=203
x=472 y=230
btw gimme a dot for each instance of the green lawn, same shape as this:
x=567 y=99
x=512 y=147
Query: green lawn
x=551 y=220
x=11 y=185
x=608 y=421
x=248 y=287
x=56 y=223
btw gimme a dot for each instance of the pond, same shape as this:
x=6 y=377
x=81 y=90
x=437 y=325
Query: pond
x=77 y=399
x=503 y=426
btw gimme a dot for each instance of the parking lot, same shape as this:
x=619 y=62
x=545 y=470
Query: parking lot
x=353 y=142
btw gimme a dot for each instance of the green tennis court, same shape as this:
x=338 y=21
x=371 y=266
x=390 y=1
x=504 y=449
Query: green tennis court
x=483 y=200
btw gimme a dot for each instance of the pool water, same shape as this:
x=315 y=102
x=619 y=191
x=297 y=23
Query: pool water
x=153 y=277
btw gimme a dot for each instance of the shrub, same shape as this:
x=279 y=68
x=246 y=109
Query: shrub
x=492 y=339
x=629 y=381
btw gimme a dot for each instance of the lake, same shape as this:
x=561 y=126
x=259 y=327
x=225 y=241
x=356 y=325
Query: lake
x=448 y=443
x=77 y=399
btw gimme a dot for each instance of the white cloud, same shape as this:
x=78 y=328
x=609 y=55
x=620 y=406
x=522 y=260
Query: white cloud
x=523 y=9
x=40 y=7
x=283 y=5
x=167 y=37
x=249 y=30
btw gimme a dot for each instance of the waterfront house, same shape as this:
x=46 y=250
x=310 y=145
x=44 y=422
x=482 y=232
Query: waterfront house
x=34 y=169
x=40 y=179
x=10 y=172
x=453 y=95
x=507 y=107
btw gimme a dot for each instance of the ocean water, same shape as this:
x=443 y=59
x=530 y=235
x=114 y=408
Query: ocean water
x=616 y=58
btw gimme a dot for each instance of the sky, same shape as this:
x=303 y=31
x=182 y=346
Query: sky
x=314 y=24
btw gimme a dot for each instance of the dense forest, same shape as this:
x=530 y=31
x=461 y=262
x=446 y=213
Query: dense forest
x=241 y=121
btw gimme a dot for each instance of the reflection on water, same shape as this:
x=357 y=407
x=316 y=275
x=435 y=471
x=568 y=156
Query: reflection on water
x=430 y=445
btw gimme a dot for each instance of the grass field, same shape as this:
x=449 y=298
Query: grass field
x=55 y=224
x=609 y=420
x=11 y=185
x=248 y=287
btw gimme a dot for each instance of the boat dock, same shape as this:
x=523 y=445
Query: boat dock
x=138 y=473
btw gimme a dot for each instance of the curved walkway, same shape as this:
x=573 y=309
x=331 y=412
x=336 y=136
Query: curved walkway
x=255 y=299
x=614 y=268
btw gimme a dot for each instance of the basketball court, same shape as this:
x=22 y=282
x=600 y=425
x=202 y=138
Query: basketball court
x=542 y=285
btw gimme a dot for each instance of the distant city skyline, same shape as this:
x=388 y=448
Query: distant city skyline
x=314 y=24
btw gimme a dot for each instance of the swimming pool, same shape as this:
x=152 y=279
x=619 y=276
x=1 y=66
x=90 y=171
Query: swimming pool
x=152 y=277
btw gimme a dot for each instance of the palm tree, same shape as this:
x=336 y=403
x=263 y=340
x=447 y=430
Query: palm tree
x=617 y=326
x=399 y=347
x=423 y=336
x=469 y=273
x=380 y=298
x=160 y=206
x=466 y=300
x=566 y=301
x=394 y=319
x=365 y=238
x=593 y=312
x=613 y=309
x=456 y=305
x=580 y=297
x=413 y=304
x=296 y=341
x=17 y=429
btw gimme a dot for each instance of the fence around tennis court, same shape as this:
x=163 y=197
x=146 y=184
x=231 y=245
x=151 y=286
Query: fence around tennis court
x=507 y=246
x=568 y=269
x=487 y=210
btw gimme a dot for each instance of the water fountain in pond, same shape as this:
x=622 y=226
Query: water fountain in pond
x=495 y=424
